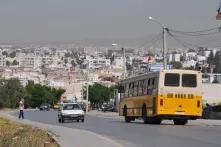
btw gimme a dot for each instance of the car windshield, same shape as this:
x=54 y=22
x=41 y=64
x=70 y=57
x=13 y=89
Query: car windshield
x=71 y=107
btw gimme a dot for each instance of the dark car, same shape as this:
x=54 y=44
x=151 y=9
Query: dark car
x=108 y=107
x=44 y=106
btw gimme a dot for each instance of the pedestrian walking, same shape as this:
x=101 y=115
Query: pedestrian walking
x=21 y=109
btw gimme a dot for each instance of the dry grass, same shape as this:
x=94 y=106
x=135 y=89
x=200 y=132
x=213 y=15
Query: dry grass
x=17 y=135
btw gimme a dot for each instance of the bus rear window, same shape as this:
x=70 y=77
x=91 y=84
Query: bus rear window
x=189 y=80
x=172 y=79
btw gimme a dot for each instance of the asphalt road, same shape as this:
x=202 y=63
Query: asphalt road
x=137 y=134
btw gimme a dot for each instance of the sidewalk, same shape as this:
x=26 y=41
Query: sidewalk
x=104 y=114
x=68 y=137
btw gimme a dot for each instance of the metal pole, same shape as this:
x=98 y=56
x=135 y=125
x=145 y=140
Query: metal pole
x=164 y=49
x=87 y=97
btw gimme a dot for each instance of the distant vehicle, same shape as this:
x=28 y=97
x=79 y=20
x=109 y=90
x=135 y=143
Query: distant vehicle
x=70 y=111
x=56 y=106
x=168 y=94
x=44 y=106
x=108 y=107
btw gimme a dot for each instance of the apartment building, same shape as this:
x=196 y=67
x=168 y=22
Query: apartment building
x=2 y=59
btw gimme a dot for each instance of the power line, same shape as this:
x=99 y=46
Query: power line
x=211 y=31
x=200 y=31
x=183 y=43
x=153 y=40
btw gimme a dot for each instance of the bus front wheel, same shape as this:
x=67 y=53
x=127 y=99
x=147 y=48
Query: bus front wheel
x=180 y=121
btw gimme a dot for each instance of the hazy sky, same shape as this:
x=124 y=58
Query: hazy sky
x=67 y=20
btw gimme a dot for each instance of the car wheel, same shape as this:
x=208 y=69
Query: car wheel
x=77 y=120
x=59 y=120
x=82 y=120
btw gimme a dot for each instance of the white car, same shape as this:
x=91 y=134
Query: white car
x=70 y=111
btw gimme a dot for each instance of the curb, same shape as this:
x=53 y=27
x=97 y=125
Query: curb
x=49 y=129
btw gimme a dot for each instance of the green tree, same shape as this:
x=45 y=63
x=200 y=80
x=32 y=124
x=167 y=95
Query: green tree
x=12 y=55
x=65 y=60
x=98 y=94
x=10 y=92
x=176 y=65
x=5 y=53
x=15 y=62
x=73 y=63
x=210 y=59
x=38 y=94
x=8 y=63
x=217 y=62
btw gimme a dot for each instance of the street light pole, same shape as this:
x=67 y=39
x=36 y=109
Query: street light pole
x=87 y=97
x=164 y=41
x=164 y=49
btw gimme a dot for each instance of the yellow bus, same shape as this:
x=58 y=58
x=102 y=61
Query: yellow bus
x=168 y=94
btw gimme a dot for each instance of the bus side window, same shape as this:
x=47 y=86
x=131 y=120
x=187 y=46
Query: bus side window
x=131 y=90
x=135 y=88
x=148 y=83
x=150 y=86
x=153 y=83
x=140 y=88
x=145 y=87
x=126 y=90
x=121 y=90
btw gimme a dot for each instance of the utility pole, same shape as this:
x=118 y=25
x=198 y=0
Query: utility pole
x=164 y=41
x=164 y=48
x=125 y=63
x=86 y=78
x=87 y=97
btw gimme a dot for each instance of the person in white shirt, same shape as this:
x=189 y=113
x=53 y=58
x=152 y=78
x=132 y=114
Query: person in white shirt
x=21 y=109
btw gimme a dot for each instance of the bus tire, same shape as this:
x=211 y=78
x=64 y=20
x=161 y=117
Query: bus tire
x=157 y=121
x=144 y=111
x=180 y=121
x=127 y=119
x=144 y=114
x=125 y=111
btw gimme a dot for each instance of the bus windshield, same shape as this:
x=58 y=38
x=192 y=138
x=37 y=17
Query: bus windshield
x=172 y=79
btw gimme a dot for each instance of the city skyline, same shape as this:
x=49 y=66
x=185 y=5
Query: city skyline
x=101 y=20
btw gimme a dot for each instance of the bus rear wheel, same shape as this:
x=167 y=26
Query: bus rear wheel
x=180 y=121
x=127 y=119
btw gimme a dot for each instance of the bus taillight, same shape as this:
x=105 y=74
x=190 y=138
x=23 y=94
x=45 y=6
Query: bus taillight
x=161 y=102
x=198 y=104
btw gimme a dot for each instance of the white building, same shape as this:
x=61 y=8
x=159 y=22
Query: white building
x=191 y=63
x=34 y=61
x=118 y=62
x=201 y=59
x=24 y=76
x=190 y=56
x=2 y=59
x=174 y=57
x=97 y=62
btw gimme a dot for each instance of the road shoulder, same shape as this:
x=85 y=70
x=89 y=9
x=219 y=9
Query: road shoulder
x=68 y=137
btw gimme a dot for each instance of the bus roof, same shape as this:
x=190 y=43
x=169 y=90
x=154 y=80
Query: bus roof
x=156 y=74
